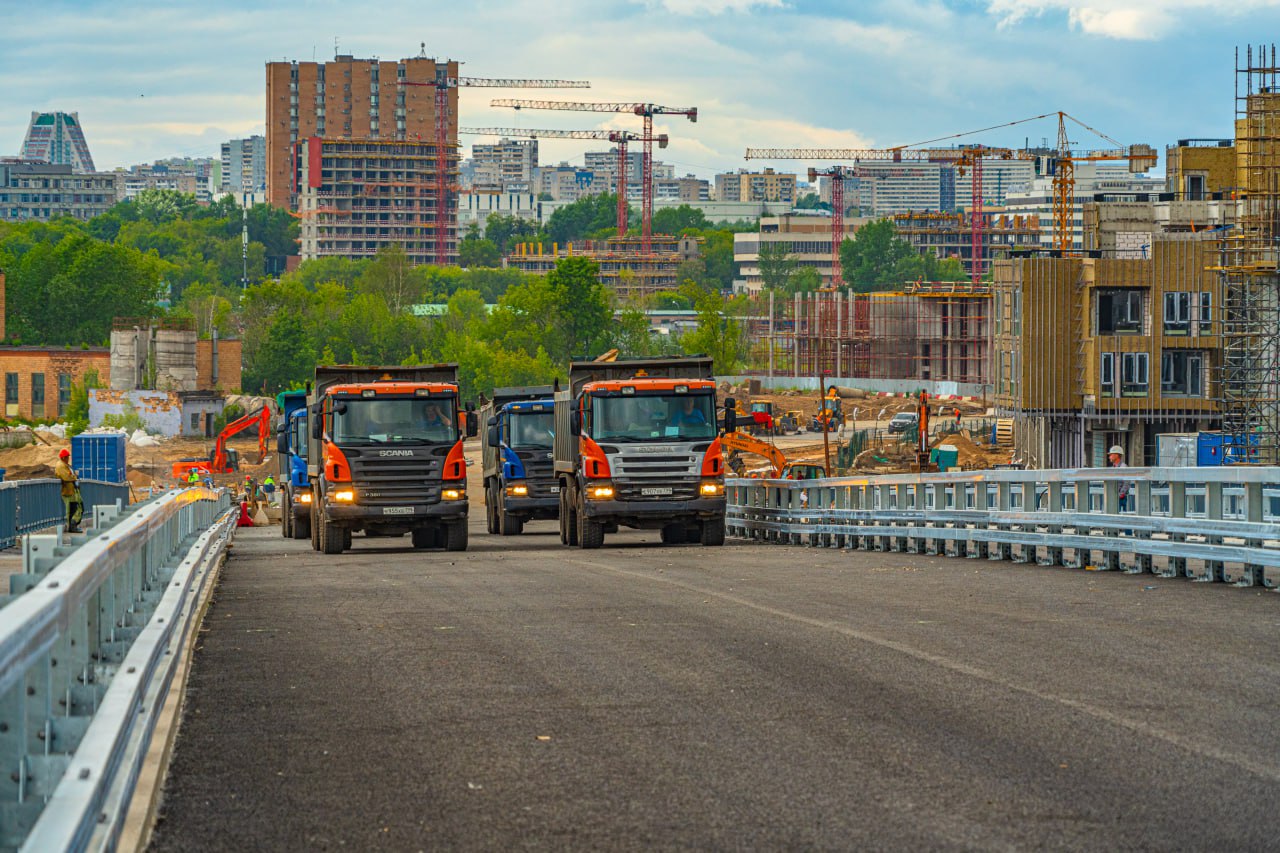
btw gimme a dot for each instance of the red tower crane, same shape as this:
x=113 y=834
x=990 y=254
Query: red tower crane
x=618 y=137
x=442 y=84
x=645 y=111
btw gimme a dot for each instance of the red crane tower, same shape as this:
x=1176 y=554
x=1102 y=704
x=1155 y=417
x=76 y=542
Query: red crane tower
x=645 y=111
x=618 y=137
x=442 y=84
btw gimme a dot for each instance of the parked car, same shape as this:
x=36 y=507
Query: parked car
x=904 y=421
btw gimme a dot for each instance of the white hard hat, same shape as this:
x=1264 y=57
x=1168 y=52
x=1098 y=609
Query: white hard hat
x=1115 y=448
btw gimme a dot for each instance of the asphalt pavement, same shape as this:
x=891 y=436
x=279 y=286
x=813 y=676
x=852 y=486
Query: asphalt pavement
x=526 y=696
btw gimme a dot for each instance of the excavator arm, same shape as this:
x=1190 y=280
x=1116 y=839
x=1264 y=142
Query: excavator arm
x=262 y=418
x=744 y=443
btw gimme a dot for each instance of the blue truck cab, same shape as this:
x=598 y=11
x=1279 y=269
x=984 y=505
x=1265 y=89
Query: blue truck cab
x=295 y=483
x=517 y=451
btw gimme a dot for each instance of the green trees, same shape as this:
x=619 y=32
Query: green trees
x=877 y=259
x=588 y=217
x=718 y=335
x=479 y=253
x=777 y=264
x=580 y=308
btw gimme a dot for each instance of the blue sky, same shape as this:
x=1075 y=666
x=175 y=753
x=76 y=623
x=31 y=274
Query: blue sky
x=153 y=79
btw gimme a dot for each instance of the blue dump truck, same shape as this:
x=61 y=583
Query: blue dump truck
x=294 y=483
x=517 y=448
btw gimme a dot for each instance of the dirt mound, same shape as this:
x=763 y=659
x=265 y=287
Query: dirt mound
x=30 y=462
x=973 y=456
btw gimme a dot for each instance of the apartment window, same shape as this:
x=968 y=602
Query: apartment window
x=1182 y=373
x=1206 y=312
x=1108 y=377
x=1177 y=313
x=11 y=395
x=1119 y=312
x=64 y=393
x=37 y=395
x=1134 y=368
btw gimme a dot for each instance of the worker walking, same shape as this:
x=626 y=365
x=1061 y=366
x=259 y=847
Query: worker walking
x=1115 y=459
x=71 y=500
x=269 y=488
x=193 y=477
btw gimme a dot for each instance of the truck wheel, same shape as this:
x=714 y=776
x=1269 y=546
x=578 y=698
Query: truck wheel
x=563 y=518
x=571 y=524
x=713 y=532
x=315 y=527
x=673 y=534
x=590 y=533
x=286 y=519
x=300 y=527
x=491 y=509
x=511 y=525
x=331 y=538
x=423 y=537
x=455 y=536
x=346 y=539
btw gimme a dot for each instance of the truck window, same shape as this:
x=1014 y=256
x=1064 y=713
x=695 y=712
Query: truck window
x=531 y=430
x=396 y=420
x=653 y=416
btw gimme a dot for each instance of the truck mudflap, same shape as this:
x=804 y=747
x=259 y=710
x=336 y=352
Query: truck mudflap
x=407 y=515
x=697 y=507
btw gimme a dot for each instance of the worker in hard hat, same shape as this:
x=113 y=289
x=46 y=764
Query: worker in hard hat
x=71 y=500
x=1115 y=459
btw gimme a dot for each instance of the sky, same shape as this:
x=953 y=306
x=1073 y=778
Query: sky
x=161 y=79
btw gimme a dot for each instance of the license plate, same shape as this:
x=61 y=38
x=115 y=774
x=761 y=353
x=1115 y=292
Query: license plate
x=655 y=491
x=397 y=510
x=555 y=490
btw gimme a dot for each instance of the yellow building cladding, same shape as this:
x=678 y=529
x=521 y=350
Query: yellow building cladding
x=1198 y=169
x=1090 y=352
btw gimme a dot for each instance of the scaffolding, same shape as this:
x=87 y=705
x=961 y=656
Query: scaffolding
x=1250 y=372
x=625 y=267
x=927 y=332
x=950 y=235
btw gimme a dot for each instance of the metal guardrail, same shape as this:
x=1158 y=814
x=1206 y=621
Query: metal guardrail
x=1209 y=524
x=96 y=493
x=27 y=506
x=85 y=662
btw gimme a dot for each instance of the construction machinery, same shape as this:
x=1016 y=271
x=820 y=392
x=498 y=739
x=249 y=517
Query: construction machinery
x=291 y=448
x=223 y=459
x=636 y=445
x=516 y=453
x=385 y=455
x=738 y=442
x=645 y=111
x=830 y=413
x=923 y=463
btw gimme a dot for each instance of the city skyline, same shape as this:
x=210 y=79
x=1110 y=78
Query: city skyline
x=148 y=84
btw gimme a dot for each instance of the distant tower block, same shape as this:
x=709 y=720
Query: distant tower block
x=57 y=138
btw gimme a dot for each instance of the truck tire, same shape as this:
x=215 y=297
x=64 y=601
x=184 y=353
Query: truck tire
x=331 y=538
x=563 y=517
x=423 y=537
x=286 y=518
x=455 y=536
x=590 y=533
x=508 y=524
x=315 y=527
x=571 y=523
x=491 y=508
x=301 y=527
x=673 y=534
x=346 y=539
x=713 y=532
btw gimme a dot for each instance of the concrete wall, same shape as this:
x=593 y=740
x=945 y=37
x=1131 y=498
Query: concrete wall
x=162 y=412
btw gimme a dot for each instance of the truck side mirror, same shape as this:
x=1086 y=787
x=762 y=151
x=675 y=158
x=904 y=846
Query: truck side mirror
x=473 y=424
x=730 y=415
x=493 y=435
x=282 y=442
x=575 y=423
x=493 y=421
x=317 y=423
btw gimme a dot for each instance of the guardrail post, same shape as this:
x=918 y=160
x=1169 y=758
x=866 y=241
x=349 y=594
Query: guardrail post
x=1254 y=513
x=1141 y=491
x=1053 y=499
x=1177 y=566
x=1213 y=569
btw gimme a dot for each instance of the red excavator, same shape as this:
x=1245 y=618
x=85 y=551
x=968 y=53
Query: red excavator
x=223 y=459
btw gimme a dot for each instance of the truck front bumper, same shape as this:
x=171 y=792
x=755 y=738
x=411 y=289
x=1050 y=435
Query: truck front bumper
x=698 y=507
x=406 y=515
x=545 y=507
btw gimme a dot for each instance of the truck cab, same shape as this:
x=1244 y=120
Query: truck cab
x=637 y=445
x=295 y=482
x=516 y=446
x=385 y=456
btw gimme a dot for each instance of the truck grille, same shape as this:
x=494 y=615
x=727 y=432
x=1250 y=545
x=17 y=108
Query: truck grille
x=540 y=472
x=681 y=490
x=397 y=481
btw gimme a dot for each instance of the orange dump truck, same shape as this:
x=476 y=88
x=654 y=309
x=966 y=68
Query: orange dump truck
x=385 y=455
x=637 y=445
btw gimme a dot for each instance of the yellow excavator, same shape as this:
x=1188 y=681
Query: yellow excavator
x=782 y=469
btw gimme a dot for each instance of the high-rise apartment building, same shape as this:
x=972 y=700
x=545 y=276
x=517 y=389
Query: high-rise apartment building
x=744 y=185
x=244 y=165
x=509 y=165
x=57 y=138
x=43 y=191
x=349 y=99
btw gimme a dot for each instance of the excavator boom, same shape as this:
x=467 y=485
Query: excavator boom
x=262 y=418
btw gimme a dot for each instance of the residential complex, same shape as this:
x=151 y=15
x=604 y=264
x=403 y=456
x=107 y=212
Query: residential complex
x=744 y=185
x=244 y=165
x=41 y=191
x=1198 y=169
x=507 y=166
x=807 y=238
x=1094 y=182
x=57 y=138
x=624 y=268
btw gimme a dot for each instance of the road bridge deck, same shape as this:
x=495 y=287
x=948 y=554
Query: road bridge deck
x=522 y=695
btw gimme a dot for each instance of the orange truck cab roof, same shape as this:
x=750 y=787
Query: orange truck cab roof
x=389 y=388
x=648 y=383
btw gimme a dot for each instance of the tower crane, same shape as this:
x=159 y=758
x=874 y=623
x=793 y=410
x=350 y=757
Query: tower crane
x=645 y=111
x=442 y=84
x=617 y=137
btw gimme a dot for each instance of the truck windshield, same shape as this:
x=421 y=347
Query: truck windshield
x=530 y=429
x=648 y=417
x=396 y=420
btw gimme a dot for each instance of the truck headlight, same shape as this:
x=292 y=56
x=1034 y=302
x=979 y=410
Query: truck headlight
x=453 y=494
x=712 y=488
x=344 y=496
x=304 y=497
x=600 y=492
x=517 y=490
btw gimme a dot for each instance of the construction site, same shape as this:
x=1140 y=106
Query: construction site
x=626 y=267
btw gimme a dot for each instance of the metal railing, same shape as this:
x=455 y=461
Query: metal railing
x=86 y=655
x=28 y=506
x=1210 y=524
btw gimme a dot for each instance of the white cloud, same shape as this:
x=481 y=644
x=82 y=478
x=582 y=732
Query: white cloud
x=712 y=7
x=1121 y=23
x=1118 y=19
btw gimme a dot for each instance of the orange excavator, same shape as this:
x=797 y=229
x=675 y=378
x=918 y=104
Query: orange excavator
x=223 y=459
x=782 y=469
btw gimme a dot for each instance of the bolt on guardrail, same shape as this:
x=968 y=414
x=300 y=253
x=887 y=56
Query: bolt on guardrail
x=1208 y=524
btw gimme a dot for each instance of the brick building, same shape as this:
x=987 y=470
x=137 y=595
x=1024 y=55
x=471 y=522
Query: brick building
x=38 y=380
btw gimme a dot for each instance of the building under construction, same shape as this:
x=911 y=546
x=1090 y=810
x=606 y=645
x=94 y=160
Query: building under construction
x=927 y=333
x=356 y=196
x=624 y=266
x=1247 y=266
x=950 y=235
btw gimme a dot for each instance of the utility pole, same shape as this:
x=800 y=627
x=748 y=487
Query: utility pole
x=244 y=239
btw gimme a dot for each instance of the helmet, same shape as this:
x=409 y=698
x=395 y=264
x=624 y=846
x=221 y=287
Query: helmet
x=1116 y=449
x=64 y=454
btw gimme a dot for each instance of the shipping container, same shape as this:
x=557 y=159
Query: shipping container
x=1219 y=448
x=99 y=456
